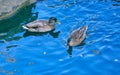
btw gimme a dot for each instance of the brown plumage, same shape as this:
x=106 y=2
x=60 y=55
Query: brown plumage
x=77 y=36
x=41 y=25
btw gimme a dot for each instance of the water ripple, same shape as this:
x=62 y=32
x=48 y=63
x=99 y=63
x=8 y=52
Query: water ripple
x=25 y=53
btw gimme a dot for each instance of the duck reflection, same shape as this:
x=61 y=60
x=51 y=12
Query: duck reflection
x=70 y=48
x=52 y=33
x=69 y=51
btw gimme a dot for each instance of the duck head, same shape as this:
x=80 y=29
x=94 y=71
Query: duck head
x=53 y=20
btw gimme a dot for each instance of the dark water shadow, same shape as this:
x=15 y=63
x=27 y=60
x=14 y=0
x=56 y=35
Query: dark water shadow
x=70 y=49
x=52 y=33
x=13 y=25
x=116 y=0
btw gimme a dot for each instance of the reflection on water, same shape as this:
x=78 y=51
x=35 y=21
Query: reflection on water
x=11 y=46
x=26 y=53
x=80 y=46
x=70 y=51
x=10 y=30
x=12 y=26
x=52 y=33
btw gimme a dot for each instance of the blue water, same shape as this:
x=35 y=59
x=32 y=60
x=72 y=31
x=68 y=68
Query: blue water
x=25 y=53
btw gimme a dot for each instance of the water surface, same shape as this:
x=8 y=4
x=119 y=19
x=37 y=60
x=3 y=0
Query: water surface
x=25 y=53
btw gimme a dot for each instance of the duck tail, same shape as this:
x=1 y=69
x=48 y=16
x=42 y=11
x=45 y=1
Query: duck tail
x=25 y=27
x=86 y=27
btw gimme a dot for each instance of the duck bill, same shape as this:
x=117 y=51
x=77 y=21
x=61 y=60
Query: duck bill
x=58 y=22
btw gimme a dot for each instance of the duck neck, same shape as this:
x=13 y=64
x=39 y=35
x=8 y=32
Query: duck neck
x=51 y=23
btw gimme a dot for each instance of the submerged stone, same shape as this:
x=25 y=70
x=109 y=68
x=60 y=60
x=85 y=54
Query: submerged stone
x=12 y=60
x=96 y=52
x=10 y=7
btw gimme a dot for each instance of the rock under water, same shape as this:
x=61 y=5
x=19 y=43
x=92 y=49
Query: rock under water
x=9 y=7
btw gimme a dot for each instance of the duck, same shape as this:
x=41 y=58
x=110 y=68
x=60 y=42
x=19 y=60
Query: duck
x=41 y=25
x=77 y=36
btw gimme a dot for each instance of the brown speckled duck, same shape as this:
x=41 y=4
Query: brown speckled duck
x=41 y=25
x=77 y=36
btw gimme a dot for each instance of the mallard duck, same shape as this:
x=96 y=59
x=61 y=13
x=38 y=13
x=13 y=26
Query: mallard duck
x=77 y=36
x=41 y=25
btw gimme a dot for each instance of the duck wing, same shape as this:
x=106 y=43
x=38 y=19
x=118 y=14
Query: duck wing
x=37 y=23
x=77 y=34
x=82 y=31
